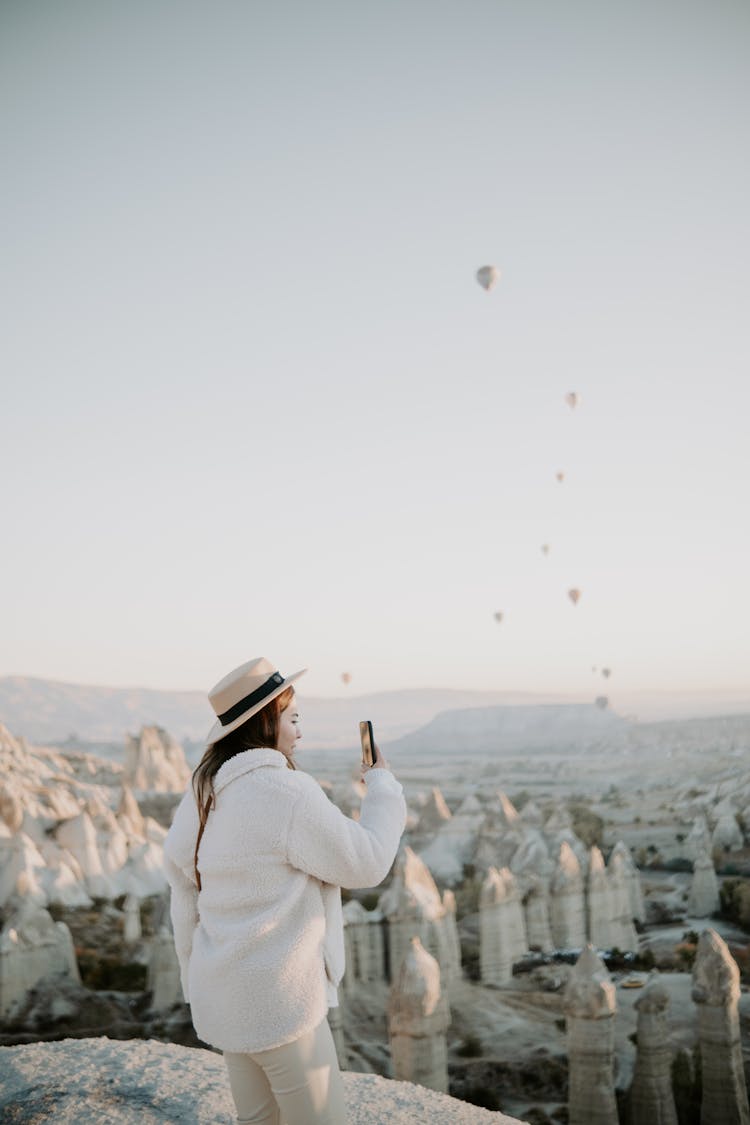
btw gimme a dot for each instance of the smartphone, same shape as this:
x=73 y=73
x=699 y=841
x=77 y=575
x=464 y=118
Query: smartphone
x=367 y=739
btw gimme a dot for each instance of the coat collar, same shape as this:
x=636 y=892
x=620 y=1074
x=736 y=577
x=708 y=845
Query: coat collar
x=245 y=762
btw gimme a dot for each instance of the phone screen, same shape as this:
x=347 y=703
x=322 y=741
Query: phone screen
x=368 y=742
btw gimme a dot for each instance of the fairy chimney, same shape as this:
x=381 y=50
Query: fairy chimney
x=413 y=907
x=651 y=1097
x=633 y=876
x=363 y=940
x=502 y=930
x=716 y=991
x=621 y=928
x=703 y=899
x=536 y=915
x=418 y=1018
x=32 y=946
x=598 y=901
x=567 y=911
x=589 y=1004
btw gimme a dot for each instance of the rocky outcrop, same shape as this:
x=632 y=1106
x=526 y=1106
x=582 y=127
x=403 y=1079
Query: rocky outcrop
x=433 y=814
x=502 y=927
x=632 y=874
x=163 y=974
x=418 y=1018
x=716 y=992
x=699 y=838
x=101 y=1081
x=598 y=901
x=567 y=908
x=703 y=899
x=132 y=932
x=155 y=761
x=589 y=1004
x=536 y=915
x=364 y=945
x=60 y=838
x=622 y=933
x=32 y=947
x=455 y=843
x=651 y=1098
x=413 y=907
x=726 y=836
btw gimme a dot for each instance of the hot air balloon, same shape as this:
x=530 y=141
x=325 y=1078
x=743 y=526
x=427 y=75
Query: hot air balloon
x=499 y=616
x=606 y=672
x=488 y=276
x=545 y=548
x=574 y=595
x=559 y=475
x=572 y=399
x=601 y=701
x=346 y=677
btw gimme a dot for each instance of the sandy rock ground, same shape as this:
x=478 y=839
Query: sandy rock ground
x=103 y=1081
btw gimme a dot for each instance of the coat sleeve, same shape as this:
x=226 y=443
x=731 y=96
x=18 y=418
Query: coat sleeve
x=347 y=853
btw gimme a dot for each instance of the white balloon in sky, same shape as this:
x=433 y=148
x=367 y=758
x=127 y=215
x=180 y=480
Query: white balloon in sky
x=488 y=276
x=572 y=399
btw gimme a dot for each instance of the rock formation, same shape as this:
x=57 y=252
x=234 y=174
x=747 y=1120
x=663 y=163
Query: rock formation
x=452 y=941
x=364 y=945
x=536 y=915
x=414 y=908
x=726 y=836
x=132 y=927
x=651 y=1098
x=433 y=814
x=622 y=931
x=598 y=901
x=79 y=836
x=129 y=815
x=32 y=946
x=455 y=843
x=637 y=911
x=163 y=972
x=716 y=991
x=500 y=835
x=104 y=1081
x=59 y=834
x=703 y=899
x=502 y=930
x=589 y=1004
x=699 y=838
x=155 y=761
x=418 y=1018
x=567 y=911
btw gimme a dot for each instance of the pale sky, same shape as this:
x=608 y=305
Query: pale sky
x=254 y=401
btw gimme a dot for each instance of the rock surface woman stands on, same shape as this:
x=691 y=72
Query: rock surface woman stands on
x=256 y=857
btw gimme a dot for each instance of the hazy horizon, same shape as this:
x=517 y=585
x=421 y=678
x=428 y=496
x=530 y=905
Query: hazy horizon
x=255 y=402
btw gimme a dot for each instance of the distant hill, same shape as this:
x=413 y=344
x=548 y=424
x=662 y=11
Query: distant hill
x=539 y=727
x=49 y=711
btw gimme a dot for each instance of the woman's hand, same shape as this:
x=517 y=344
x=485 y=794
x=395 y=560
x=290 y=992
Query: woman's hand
x=379 y=763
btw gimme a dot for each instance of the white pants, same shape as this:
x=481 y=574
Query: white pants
x=298 y=1083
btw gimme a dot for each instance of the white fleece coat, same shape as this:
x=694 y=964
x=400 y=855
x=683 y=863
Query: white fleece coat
x=261 y=948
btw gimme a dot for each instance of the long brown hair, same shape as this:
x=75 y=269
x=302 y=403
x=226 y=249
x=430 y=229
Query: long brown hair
x=260 y=730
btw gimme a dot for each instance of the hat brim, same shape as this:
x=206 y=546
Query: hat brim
x=218 y=731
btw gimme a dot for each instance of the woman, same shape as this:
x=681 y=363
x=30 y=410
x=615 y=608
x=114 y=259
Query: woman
x=256 y=857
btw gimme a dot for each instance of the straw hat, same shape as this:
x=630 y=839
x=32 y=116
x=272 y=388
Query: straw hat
x=243 y=693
